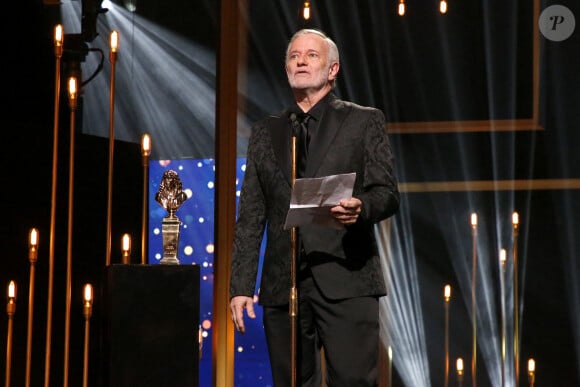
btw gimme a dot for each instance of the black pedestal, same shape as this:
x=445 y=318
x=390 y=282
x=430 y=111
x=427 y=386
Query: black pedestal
x=151 y=334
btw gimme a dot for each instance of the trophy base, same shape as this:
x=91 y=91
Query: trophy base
x=169 y=261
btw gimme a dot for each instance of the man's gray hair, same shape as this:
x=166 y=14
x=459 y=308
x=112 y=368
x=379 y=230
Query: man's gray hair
x=333 y=55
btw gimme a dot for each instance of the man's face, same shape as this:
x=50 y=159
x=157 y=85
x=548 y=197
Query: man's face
x=307 y=64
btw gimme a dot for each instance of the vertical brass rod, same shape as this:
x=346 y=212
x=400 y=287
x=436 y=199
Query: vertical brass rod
x=73 y=106
x=10 y=310
x=474 y=304
x=503 y=315
x=112 y=58
x=58 y=54
x=30 y=319
x=446 y=305
x=516 y=300
x=145 y=209
x=293 y=305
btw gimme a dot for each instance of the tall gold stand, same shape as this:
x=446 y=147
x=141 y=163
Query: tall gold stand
x=72 y=94
x=293 y=305
x=474 y=301
x=515 y=222
x=32 y=257
x=87 y=312
x=447 y=298
x=58 y=47
x=10 y=310
x=113 y=59
x=145 y=151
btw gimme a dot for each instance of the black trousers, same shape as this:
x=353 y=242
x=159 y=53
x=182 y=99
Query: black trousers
x=347 y=329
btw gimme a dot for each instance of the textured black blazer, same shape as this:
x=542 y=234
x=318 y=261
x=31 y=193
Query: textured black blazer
x=349 y=138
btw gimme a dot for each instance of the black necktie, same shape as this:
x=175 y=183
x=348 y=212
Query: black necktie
x=303 y=140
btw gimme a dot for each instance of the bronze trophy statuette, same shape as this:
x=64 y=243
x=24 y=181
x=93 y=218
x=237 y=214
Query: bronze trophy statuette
x=170 y=196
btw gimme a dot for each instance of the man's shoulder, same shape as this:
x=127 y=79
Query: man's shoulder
x=353 y=107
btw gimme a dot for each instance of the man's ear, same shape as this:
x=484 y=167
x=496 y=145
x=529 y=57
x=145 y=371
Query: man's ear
x=333 y=70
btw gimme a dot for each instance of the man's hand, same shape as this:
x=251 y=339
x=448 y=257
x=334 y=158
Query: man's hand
x=347 y=211
x=237 y=306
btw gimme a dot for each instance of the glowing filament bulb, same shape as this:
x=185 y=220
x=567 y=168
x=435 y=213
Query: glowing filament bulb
x=531 y=366
x=443 y=6
x=12 y=290
x=459 y=366
x=146 y=145
x=33 y=240
x=502 y=257
x=306 y=10
x=401 y=7
x=515 y=219
x=474 y=219
x=58 y=35
x=126 y=244
x=72 y=87
x=88 y=293
x=114 y=41
x=447 y=293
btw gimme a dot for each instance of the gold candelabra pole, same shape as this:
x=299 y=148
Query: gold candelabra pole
x=87 y=311
x=114 y=41
x=126 y=249
x=145 y=151
x=473 y=300
x=32 y=257
x=515 y=223
x=502 y=264
x=531 y=371
x=459 y=368
x=447 y=297
x=10 y=310
x=73 y=99
x=58 y=48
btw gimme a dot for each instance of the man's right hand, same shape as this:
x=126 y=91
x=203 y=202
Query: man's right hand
x=237 y=306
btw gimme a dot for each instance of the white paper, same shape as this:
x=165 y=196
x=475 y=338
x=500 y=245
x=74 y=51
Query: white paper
x=312 y=199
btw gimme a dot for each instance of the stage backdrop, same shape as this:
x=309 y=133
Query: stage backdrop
x=196 y=247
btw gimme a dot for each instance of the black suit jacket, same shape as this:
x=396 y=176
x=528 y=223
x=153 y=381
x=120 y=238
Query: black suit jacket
x=345 y=263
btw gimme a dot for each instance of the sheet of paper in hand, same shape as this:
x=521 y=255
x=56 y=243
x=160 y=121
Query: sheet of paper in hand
x=312 y=199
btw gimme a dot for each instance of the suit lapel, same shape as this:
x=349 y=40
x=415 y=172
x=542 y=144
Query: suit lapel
x=326 y=132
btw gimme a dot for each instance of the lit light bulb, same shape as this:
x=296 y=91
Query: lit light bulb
x=114 y=40
x=401 y=7
x=443 y=6
x=447 y=293
x=146 y=145
x=474 y=219
x=459 y=366
x=306 y=10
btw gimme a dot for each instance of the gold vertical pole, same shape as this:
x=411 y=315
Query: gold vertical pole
x=447 y=297
x=87 y=311
x=502 y=264
x=113 y=59
x=473 y=300
x=515 y=223
x=72 y=94
x=145 y=151
x=10 y=310
x=293 y=302
x=58 y=46
x=227 y=93
x=32 y=257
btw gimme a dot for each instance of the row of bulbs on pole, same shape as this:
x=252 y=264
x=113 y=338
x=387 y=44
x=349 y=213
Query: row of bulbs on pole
x=401 y=9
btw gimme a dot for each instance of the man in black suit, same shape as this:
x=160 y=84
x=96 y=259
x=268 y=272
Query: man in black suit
x=340 y=278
